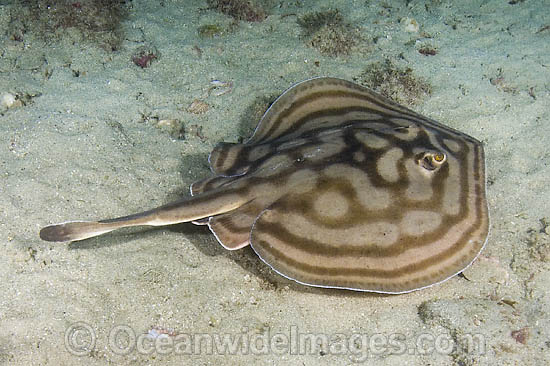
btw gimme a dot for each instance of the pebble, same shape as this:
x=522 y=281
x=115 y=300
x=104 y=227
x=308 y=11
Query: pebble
x=411 y=25
x=8 y=100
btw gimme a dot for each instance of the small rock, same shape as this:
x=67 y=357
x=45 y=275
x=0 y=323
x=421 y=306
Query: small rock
x=198 y=107
x=410 y=24
x=8 y=100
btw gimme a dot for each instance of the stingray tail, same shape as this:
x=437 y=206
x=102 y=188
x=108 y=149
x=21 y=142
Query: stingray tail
x=189 y=209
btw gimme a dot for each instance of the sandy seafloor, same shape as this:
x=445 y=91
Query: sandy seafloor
x=81 y=149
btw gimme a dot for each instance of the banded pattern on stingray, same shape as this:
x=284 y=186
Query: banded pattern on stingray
x=338 y=187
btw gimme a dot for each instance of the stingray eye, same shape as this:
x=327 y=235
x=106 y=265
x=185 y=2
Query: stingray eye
x=431 y=160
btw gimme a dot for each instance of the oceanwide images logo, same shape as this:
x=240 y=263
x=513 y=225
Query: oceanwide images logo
x=81 y=340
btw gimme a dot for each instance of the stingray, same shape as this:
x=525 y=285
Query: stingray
x=338 y=187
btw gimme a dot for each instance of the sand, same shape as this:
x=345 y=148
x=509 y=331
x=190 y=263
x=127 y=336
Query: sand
x=85 y=143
